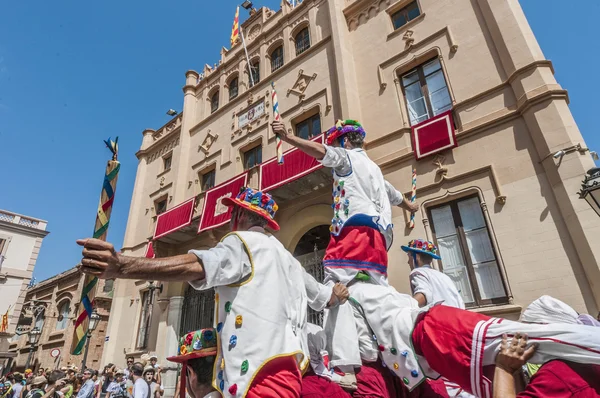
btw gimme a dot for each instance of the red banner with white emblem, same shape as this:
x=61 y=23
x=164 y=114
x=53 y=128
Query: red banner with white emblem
x=178 y=217
x=434 y=135
x=296 y=164
x=215 y=213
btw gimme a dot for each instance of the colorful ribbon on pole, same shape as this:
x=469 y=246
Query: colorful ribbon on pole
x=88 y=293
x=413 y=198
x=277 y=117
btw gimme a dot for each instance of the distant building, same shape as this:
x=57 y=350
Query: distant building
x=51 y=306
x=20 y=241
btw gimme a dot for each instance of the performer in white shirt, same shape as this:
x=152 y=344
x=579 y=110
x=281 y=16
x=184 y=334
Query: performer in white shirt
x=260 y=299
x=428 y=285
x=361 y=229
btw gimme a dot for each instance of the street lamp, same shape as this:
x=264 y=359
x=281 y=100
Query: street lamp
x=92 y=325
x=590 y=189
x=34 y=337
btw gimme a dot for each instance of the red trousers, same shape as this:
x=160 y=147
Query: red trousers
x=279 y=378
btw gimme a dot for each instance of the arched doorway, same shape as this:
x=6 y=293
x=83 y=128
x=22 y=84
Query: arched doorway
x=309 y=252
x=198 y=310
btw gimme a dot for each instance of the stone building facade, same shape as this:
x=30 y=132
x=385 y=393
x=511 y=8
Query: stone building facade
x=20 y=242
x=52 y=306
x=458 y=90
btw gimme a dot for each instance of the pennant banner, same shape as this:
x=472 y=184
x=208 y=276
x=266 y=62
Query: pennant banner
x=297 y=164
x=214 y=213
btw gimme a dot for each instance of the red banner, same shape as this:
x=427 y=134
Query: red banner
x=434 y=135
x=296 y=164
x=177 y=217
x=150 y=250
x=214 y=213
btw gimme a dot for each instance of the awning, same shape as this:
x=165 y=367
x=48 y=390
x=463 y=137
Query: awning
x=214 y=213
x=434 y=135
x=178 y=217
x=296 y=164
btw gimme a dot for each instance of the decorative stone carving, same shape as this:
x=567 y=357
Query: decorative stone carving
x=254 y=32
x=209 y=140
x=164 y=149
x=408 y=38
x=301 y=84
x=162 y=181
x=438 y=161
x=250 y=98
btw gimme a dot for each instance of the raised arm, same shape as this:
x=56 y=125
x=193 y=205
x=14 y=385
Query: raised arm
x=322 y=296
x=101 y=259
x=396 y=198
x=311 y=148
x=510 y=359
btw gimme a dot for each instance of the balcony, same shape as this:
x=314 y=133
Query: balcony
x=23 y=221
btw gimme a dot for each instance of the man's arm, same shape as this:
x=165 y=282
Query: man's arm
x=421 y=288
x=321 y=296
x=396 y=198
x=311 y=148
x=100 y=259
x=421 y=299
x=510 y=359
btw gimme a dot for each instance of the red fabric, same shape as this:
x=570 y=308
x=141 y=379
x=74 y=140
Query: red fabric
x=314 y=386
x=279 y=378
x=150 y=250
x=177 y=217
x=444 y=336
x=216 y=214
x=296 y=164
x=562 y=379
x=433 y=135
x=361 y=248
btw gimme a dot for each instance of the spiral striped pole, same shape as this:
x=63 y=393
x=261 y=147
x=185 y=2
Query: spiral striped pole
x=413 y=198
x=88 y=293
x=277 y=117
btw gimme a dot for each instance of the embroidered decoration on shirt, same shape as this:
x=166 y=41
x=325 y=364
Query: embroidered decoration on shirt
x=245 y=366
x=232 y=341
x=219 y=327
x=233 y=389
x=414 y=373
x=406 y=381
x=396 y=366
x=222 y=385
x=222 y=364
x=238 y=321
x=404 y=354
x=220 y=375
x=393 y=351
x=381 y=348
x=228 y=306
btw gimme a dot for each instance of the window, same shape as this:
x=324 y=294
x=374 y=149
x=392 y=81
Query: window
x=39 y=320
x=252 y=157
x=233 y=88
x=109 y=285
x=214 y=102
x=142 y=337
x=277 y=59
x=161 y=206
x=468 y=257
x=63 y=316
x=309 y=128
x=3 y=247
x=167 y=162
x=208 y=180
x=406 y=14
x=302 y=41
x=255 y=68
x=426 y=92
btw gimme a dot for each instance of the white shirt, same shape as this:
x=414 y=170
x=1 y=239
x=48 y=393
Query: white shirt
x=140 y=388
x=435 y=286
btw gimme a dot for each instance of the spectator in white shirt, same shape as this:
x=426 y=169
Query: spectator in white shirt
x=141 y=389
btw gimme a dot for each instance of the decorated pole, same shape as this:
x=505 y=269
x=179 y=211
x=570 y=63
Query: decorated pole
x=107 y=197
x=413 y=198
x=277 y=117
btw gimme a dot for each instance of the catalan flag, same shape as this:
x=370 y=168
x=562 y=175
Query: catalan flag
x=235 y=31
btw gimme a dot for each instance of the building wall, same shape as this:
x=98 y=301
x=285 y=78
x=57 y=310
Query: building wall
x=509 y=112
x=23 y=237
x=50 y=295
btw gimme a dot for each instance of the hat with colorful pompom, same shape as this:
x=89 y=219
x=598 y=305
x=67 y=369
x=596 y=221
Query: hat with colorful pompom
x=201 y=343
x=343 y=127
x=258 y=202
x=422 y=246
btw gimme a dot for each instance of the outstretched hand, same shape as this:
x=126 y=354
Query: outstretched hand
x=99 y=258
x=514 y=355
x=279 y=130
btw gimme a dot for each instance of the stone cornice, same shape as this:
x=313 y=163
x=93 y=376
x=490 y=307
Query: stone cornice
x=38 y=233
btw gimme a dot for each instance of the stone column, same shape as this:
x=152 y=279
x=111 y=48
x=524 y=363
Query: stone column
x=172 y=342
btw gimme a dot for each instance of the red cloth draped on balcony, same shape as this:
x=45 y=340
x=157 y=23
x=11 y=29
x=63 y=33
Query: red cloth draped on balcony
x=178 y=217
x=433 y=135
x=297 y=164
x=214 y=213
x=150 y=250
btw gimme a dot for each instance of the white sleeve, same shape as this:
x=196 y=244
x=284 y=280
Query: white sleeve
x=395 y=197
x=420 y=284
x=337 y=159
x=317 y=294
x=224 y=264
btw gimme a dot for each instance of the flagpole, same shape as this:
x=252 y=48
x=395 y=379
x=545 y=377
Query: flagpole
x=247 y=57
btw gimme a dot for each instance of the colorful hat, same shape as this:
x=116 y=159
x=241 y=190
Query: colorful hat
x=422 y=246
x=343 y=127
x=201 y=343
x=258 y=202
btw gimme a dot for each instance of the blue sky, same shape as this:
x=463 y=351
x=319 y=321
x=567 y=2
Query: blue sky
x=73 y=73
